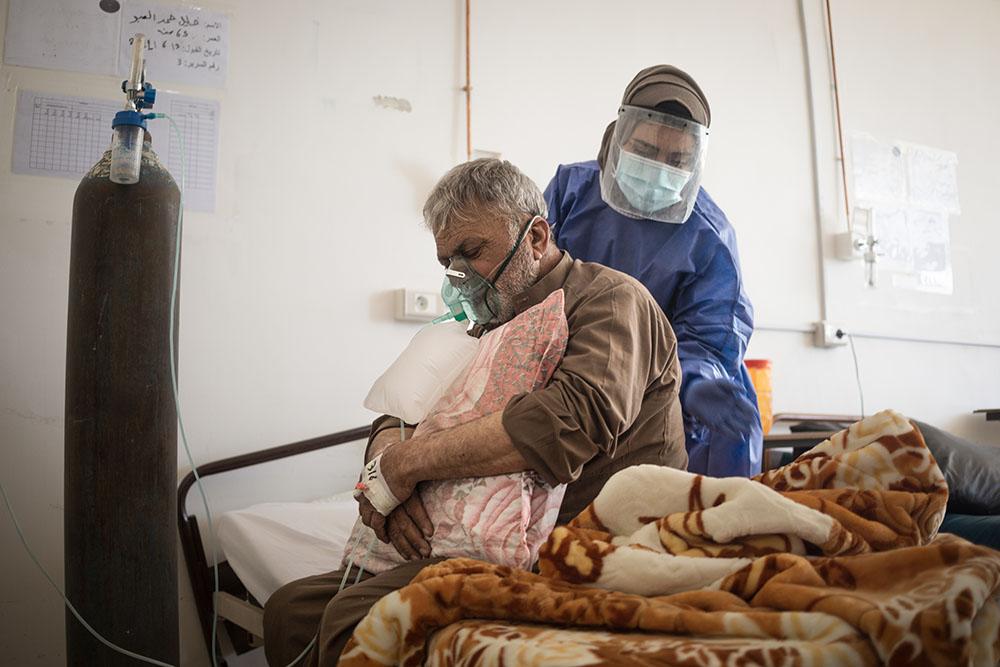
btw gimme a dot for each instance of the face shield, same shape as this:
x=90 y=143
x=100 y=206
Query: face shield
x=653 y=167
x=468 y=294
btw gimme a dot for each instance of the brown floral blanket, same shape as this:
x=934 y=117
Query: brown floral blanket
x=830 y=560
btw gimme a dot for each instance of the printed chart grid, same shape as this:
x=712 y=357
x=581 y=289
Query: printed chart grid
x=67 y=137
x=196 y=122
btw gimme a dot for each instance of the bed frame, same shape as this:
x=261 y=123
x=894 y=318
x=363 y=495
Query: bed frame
x=241 y=617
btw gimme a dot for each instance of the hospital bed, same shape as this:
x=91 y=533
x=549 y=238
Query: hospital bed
x=267 y=545
x=271 y=543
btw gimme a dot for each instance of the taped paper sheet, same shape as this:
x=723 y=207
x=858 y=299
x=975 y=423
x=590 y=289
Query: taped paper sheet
x=198 y=122
x=62 y=34
x=59 y=135
x=185 y=44
x=911 y=190
x=63 y=136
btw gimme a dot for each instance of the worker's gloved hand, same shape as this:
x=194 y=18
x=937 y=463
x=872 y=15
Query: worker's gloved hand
x=721 y=406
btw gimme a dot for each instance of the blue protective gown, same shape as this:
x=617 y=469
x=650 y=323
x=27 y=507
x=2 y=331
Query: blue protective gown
x=693 y=272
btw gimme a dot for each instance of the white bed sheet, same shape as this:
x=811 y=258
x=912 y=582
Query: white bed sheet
x=271 y=544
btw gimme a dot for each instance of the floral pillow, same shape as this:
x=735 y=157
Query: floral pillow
x=502 y=519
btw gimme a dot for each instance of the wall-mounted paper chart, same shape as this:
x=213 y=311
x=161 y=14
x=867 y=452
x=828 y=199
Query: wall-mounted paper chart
x=910 y=190
x=56 y=135
x=185 y=44
x=62 y=34
x=198 y=122
x=59 y=135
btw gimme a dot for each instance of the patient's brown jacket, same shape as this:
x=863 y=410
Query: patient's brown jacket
x=613 y=401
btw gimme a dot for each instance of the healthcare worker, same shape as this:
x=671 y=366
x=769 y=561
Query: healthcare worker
x=640 y=209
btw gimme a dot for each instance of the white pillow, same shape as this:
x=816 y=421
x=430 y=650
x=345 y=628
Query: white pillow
x=412 y=385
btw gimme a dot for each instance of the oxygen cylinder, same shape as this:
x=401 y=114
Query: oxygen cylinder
x=121 y=422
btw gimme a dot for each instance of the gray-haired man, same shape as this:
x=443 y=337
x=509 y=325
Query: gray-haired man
x=612 y=403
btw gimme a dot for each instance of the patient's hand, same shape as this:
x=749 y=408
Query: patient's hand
x=395 y=469
x=407 y=527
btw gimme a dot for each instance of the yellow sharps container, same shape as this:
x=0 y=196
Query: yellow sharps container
x=760 y=375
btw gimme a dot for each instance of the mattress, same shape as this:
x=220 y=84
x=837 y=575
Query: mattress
x=271 y=544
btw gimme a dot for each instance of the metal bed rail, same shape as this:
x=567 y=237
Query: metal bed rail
x=198 y=567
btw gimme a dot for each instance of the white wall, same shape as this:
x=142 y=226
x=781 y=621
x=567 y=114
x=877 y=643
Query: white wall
x=286 y=312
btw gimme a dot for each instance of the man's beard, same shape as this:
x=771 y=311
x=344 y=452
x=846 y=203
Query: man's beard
x=521 y=273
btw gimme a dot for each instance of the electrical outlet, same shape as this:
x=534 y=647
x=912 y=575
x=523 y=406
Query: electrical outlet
x=825 y=335
x=418 y=305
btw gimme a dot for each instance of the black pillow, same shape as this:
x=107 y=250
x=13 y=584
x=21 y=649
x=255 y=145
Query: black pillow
x=972 y=471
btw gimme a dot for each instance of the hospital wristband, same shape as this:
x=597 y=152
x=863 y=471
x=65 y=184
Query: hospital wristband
x=373 y=487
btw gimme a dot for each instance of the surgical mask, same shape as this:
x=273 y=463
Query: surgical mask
x=649 y=185
x=468 y=294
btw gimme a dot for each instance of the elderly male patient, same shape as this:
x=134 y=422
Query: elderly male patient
x=611 y=403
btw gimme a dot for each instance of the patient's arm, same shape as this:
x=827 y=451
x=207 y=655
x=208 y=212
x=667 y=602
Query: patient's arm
x=408 y=526
x=479 y=448
x=384 y=438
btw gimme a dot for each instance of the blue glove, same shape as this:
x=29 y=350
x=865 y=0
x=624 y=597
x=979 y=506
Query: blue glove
x=721 y=406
